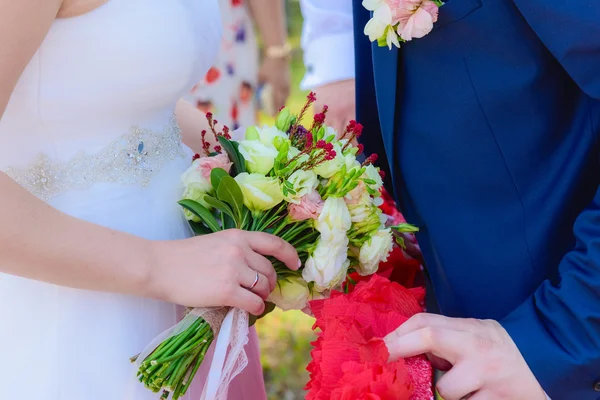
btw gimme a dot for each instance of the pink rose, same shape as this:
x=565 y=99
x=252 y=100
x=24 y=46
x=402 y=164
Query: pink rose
x=415 y=18
x=207 y=164
x=310 y=206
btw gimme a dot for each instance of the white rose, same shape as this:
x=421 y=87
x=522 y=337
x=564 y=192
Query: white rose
x=328 y=265
x=334 y=220
x=259 y=157
x=292 y=294
x=193 y=179
x=374 y=251
x=328 y=168
x=372 y=173
x=304 y=182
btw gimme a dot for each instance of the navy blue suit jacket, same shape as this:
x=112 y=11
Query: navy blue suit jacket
x=490 y=126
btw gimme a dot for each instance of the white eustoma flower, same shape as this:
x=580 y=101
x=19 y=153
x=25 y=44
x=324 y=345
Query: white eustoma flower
x=382 y=18
x=328 y=168
x=260 y=192
x=351 y=162
x=392 y=39
x=267 y=135
x=303 y=183
x=328 y=265
x=372 y=173
x=194 y=179
x=259 y=157
x=291 y=294
x=330 y=131
x=334 y=220
x=293 y=152
x=374 y=251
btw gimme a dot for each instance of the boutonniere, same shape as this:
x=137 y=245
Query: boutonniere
x=396 y=21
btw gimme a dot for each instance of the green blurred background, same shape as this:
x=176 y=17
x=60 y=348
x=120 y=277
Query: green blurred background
x=285 y=336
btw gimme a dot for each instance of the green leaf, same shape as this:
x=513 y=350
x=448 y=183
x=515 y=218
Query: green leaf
x=229 y=191
x=269 y=307
x=230 y=223
x=231 y=148
x=382 y=41
x=242 y=161
x=201 y=212
x=199 y=228
x=215 y=176
x=400 y=241
x=221 y=206
x=246 y=218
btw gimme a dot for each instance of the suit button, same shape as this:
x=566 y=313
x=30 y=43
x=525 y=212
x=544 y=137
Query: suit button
x=597 y=386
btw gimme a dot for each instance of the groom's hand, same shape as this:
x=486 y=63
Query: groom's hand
x=482 y=361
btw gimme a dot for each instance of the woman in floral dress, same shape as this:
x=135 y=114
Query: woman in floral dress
x=229 y=88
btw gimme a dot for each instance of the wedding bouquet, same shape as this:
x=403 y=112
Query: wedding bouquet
x=301 y=182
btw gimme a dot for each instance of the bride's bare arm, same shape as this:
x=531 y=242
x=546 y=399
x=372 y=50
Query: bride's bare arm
x=41 y=243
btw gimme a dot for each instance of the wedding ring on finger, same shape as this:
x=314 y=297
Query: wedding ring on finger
x=256 y=279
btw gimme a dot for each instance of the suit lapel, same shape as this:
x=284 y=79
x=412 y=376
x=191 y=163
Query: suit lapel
x=385 y=69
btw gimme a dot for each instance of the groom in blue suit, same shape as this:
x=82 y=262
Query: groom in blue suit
x=489 y=126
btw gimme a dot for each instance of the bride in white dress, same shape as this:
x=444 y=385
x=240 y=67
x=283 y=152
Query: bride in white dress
x=94 y=250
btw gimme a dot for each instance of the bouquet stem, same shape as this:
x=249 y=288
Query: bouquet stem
x=171 y=367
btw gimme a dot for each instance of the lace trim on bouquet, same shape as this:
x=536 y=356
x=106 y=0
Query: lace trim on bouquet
x=134 y=158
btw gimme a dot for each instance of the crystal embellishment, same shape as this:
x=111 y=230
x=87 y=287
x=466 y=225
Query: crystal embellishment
x=132 y=159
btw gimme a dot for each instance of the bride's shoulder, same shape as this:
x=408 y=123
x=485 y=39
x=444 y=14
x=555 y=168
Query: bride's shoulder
x=74 y=8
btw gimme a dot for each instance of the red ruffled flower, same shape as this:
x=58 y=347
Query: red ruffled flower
x=399 y=268
x=373 y=381
x=349 y=359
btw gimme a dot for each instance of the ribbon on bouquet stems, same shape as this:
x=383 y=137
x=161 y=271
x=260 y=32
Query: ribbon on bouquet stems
x=230 y=357
x=171 y=360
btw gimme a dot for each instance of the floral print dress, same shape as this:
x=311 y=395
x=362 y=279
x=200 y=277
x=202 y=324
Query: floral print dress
x=228 y=89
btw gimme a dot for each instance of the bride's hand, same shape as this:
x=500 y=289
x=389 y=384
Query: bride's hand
x=218 y=269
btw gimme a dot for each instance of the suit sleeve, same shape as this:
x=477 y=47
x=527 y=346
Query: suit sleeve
x=557 y=329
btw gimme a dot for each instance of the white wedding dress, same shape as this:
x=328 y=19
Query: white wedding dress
x=90 y=130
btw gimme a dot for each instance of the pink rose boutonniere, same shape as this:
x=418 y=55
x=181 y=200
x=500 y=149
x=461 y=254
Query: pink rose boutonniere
x=396 y=21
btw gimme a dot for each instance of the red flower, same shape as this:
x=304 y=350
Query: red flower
x=319 y=118
x=373 y=381
x=389 y=208
x=212 y=75
x=349 y=359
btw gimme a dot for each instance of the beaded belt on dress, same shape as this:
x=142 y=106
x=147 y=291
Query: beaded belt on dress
x=134 y=158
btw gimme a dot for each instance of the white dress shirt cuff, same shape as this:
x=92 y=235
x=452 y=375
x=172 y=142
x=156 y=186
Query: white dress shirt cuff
x=328 y=59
